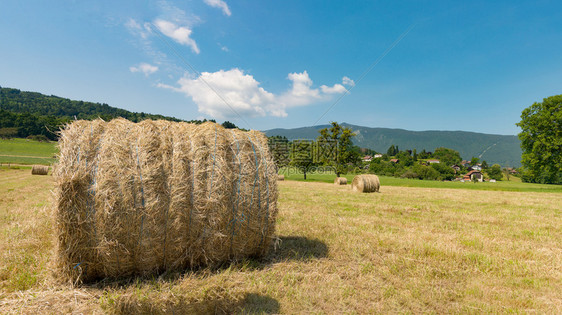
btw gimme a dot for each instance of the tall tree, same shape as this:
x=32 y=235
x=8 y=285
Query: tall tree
x=447 y=156
x=302 y=156
x=541 y=141
x=341 y=137
x=495 y=172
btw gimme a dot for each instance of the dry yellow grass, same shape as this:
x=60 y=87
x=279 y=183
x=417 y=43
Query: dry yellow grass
x=404 y=250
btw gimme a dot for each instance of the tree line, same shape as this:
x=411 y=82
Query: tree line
x=334 y=149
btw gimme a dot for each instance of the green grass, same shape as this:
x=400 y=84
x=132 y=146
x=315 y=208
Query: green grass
x=416 y=247
x=514 y=184
x=404 y=250
x=24 y=151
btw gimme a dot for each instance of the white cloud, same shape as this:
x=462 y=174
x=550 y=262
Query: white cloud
x=135 y=28
x=243 y=94
x=348 y=81
x=241 y=91
x=224 y=48
x=337 y=88
x=145 y=68
x=219 y=4
x=180 y=34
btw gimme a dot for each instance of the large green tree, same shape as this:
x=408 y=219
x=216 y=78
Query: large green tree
x=341 y=136
x=495 y=172
x=541 y=141
x=302 y=156
x=447 y=156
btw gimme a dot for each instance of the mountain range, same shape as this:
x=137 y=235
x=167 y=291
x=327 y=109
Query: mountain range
x=30 y=113
x=501 y=149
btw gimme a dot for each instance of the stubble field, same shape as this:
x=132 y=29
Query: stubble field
x=406 y=249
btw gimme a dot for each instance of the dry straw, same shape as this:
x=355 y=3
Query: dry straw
x=340 y=181
x=138 y=199
x=366 y=183
x=39 y=170
x=281 y=177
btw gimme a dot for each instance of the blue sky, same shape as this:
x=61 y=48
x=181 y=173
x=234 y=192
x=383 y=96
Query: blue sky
x=470 y=65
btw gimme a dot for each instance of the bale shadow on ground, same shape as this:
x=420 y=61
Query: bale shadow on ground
x=297 y=248
x=259 y=304
x=216 y=300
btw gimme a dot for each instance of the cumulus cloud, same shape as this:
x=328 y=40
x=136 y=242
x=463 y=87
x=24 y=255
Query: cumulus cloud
x=337 y=88
x=219 y=4
x=219 y=93
x=145 y=68
x=241 y=91
x=180 y=34
x=347 y=81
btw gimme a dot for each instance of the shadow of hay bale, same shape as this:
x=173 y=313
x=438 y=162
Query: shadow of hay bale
x=259 y=304
x=298 y=248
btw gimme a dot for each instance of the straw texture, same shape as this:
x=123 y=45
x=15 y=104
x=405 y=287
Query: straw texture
x=366 y=183
x=281 y=177
x=138 y=199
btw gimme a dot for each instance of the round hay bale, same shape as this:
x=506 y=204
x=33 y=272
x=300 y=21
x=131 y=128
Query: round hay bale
x=281 y=177
x=366 y=183
x=138 y=199
x=39 y=170
x=340 y=181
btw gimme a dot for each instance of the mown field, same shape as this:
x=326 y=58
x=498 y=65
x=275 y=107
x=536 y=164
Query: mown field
x=513 y=184
x=404 y=250
x=27 y=152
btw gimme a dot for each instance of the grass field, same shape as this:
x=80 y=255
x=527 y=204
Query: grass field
x=404 y=250
x=514 y=184
x=24 y=151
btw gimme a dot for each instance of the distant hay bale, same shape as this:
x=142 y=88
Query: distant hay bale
x=281 y=177
x=340 y=181
x=366 y=183
x=138 y=199
x=39 y=170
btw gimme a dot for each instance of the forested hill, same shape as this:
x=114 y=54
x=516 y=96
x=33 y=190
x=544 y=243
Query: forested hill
x=501 y=149
x=30 y=113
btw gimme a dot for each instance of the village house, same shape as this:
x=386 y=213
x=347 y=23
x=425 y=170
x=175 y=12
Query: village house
x=433 y=161
x=376 y=156
x=474 y=175
x=394 y=160
x=456 y=168
x=367 y=158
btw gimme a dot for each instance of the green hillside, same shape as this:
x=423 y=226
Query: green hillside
x=501 y=149
x=30 y=113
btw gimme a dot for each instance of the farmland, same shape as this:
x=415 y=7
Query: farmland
x=406 y=249
x=24 y=151
x=514 y=184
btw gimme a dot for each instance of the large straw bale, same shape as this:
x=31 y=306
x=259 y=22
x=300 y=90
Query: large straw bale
x=39 y=170
x=281 y=177
x=340 y=181
x=366 y=183
x=137 y=199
